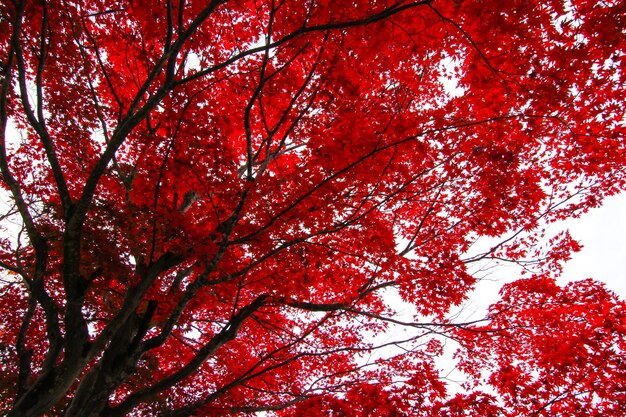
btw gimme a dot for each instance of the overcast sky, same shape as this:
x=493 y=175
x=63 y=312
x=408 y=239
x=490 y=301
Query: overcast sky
x=602 y=232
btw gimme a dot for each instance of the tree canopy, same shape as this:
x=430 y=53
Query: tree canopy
x=216 y=207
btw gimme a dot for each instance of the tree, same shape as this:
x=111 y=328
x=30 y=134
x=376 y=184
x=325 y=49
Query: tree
x=212 y=207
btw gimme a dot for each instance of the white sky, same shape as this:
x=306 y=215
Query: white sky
x=602 y=232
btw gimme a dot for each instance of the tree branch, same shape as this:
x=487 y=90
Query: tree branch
x=228 y=333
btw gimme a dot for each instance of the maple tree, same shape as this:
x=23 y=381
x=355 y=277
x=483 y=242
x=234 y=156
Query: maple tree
x=214 y=207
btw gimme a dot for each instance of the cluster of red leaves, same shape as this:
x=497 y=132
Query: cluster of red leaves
x=548 y=350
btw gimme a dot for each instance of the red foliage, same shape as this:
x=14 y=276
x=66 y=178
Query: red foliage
x=214 y=207
x=548 y=350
